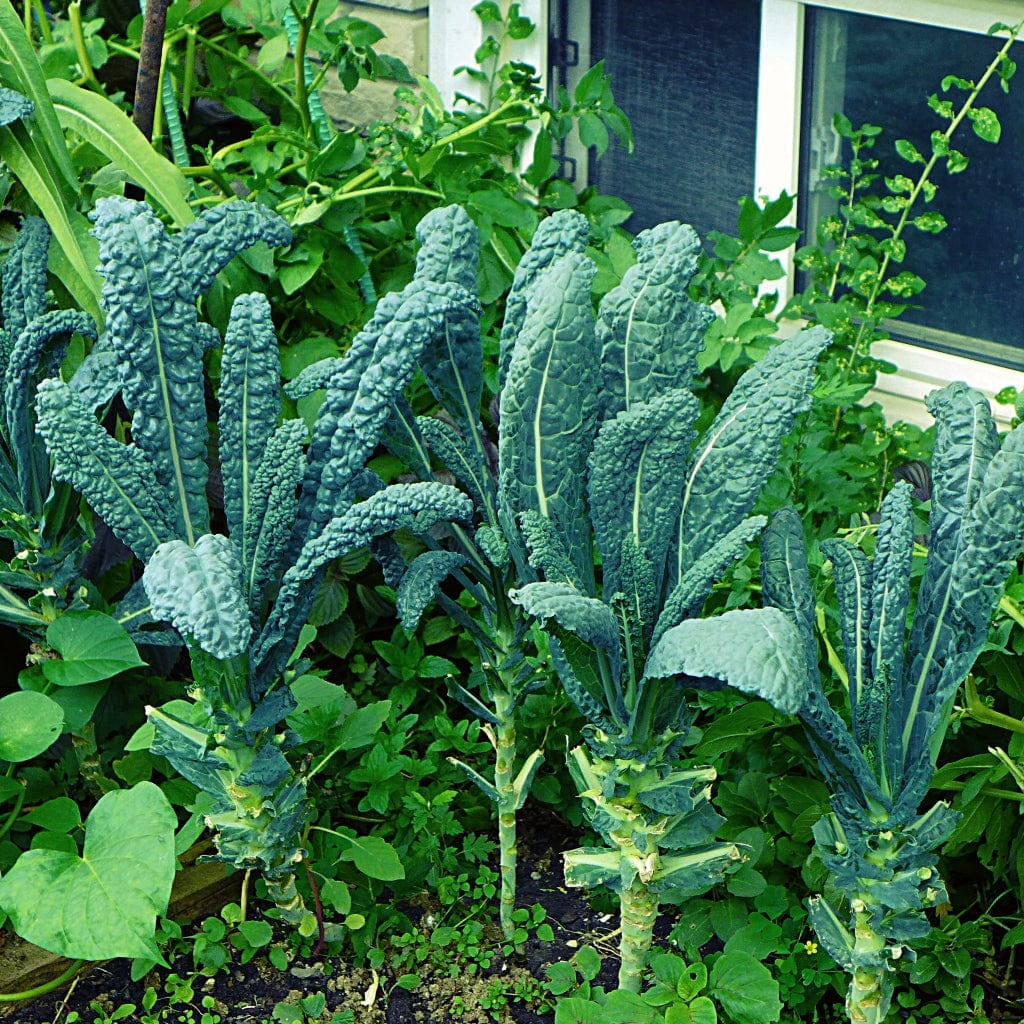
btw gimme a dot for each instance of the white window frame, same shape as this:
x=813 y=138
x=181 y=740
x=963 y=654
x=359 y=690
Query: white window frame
x=455 y=33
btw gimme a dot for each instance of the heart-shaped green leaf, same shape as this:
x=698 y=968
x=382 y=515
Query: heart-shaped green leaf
x=92 y=646
x=105 y=903
x=29 y=723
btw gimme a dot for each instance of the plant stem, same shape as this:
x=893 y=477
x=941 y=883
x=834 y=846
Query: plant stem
x=980 y=712
x=505 y=751
x=638 y=909
x=870 y=991
x=42 y=990
x=75 y=21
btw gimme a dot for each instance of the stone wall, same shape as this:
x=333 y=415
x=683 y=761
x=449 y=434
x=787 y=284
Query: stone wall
x=404 y=24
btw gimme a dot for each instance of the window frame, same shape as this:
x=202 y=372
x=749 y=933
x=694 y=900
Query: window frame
x=455 y=33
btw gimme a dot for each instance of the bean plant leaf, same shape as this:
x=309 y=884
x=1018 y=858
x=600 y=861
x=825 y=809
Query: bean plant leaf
x=374 y=857
x=30 y=722
x=92 y=646
x=746 y=989
x=104 y=903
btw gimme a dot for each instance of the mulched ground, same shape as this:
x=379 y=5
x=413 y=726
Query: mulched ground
x=248 y=993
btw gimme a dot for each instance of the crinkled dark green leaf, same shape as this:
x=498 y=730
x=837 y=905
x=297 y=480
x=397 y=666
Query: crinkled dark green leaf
x=218 y=234
x=740 y=448
x=199 y=590
x=250 y=404
x=759 y=651
x=649 y=328
x=419 y=585
x=23 y=281
x=563 y=232
x=549 y=408
x=638 y=461
x=152 y=324
x=117 y=480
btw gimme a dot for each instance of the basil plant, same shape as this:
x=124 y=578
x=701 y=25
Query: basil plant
x=239 y=598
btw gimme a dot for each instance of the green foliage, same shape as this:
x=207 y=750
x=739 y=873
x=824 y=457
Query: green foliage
x=106 y=901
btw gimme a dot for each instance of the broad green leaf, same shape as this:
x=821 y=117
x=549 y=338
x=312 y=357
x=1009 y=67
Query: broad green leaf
x=105 y=903
x=745 y=989
x=29 y=723
x=105 y=126
x=374 y=857
x=699 y=1011
x=61 y=814
x=92 y=647
x=198 y=589
x=758 y=651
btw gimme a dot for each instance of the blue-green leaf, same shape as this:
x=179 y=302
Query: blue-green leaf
x=549 y=408
x=636 y=464
x=23 y=283
x=198 y=589
x=152 y=324
x=250 y=404
x=117 y=480
x=759 y=651
x=419 y=585
x=741 y=446
x=852 y=572
x=649 y=328
x=563 y=232
x=206 y=246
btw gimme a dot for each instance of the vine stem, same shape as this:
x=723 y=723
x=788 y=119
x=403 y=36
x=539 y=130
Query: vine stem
x=46 y=987
x=922 y=179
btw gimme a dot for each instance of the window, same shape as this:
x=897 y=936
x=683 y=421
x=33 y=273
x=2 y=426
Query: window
x=881 y=71
x=685 y=72
x=708 y=83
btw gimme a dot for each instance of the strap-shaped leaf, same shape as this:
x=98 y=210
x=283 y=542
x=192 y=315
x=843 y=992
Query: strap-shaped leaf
x=117 y=480
x=466 y=459
x=586 y=617
x=19 y=381
x=250 y=403
x=416 y=507
x=272 y=507
x=852 y=572
x=649 y=328
x=152 y=324
x=22 y=279
x=740 y=448
x=545 y=550
x=198 y=590
x=449 y=247
x=890 y=598
x=689 y=593
x=549 y=408
x=579 y=670
x=965 y=443
x=420 y=583
x=759 y=651
x=206 y=246
x=563 y=232
x=636 y=464
x=361 y=395
x=786 y=583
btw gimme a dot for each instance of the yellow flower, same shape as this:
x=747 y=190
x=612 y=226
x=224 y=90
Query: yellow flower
x=811 y=946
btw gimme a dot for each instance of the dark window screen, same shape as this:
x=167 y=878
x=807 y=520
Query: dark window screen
x=685 y=73
x=881 y=71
